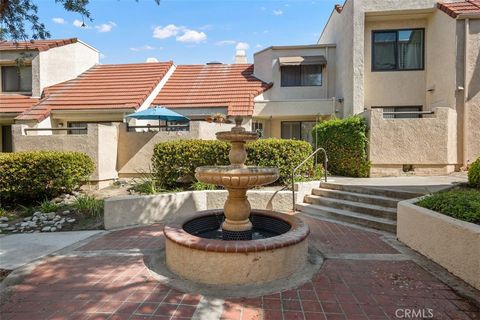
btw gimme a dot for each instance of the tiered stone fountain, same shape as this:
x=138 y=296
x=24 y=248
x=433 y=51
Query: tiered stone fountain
x=236 y=245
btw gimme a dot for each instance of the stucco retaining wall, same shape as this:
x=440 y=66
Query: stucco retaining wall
x=126 y=211
x=100 y=144
x=452 y=243
x=428 y=144
x=135 y=149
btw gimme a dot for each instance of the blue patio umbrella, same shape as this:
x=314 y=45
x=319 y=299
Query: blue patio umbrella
x=158 y=113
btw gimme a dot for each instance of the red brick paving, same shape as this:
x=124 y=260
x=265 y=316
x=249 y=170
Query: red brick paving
x=121 y=287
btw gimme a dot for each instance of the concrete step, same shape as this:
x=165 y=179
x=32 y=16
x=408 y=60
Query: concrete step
x=356 y=197
x=347 y=216
x=358 y=207
x=378 y=191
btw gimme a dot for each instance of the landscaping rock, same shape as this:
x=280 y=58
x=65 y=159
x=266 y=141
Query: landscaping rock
x=53 y=229
x=46 y=229
x=71 y=220
x=3 y=225
x=27 y=219
x=66 y=212
x=51 y=215
x=3 y=219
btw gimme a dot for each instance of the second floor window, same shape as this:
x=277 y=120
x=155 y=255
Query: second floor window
x=301 y=76
x=398 y=50
x=16 y=79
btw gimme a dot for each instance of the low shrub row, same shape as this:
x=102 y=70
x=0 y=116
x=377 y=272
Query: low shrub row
x=345 y=141
x=460 y=203
x=40 y=175
x=175 y=162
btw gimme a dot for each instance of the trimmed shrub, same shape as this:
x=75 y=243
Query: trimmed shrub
x=463 y=204
x=282 y=154
x=177 y=160
x=40 y=175
x=474 y=174
x=345 y=141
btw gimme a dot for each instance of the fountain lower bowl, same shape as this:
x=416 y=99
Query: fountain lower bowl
x=237 y=177
x=278 y=250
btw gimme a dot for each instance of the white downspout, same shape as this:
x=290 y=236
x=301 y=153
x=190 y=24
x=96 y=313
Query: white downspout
x=465 y=94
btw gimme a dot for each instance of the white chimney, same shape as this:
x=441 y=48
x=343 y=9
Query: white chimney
x=152 y=60
x=240 y=56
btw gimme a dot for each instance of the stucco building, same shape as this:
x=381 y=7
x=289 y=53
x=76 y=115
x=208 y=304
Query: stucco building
x=412 y=68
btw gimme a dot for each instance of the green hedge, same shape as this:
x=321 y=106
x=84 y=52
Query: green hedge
x=34 y=176
x=175 y=160
x=345 y=141
x=474 y=174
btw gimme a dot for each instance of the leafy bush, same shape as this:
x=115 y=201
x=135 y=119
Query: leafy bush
x=34 y=176
x=345 y=141
x=282 y=154
x=177 y=160
x=48 y=206
x=89 y=206
x=199 y=186
x=474 y=174
x=463 y=204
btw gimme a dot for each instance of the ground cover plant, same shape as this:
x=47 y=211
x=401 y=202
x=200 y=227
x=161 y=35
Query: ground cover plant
x=474 y=174
x=461 y=203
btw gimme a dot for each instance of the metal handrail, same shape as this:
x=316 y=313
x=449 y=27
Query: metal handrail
x=325 y=163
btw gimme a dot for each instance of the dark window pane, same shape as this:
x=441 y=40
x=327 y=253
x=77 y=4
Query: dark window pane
x=384 y=51
x=312 y=75
x=17 y=79
x=10 y=79
x=291 y=76
x=307 y=128
x=26 y=79
x=410 y=49
x=291 y=130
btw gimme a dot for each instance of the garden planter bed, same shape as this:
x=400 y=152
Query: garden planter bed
x=452 y=243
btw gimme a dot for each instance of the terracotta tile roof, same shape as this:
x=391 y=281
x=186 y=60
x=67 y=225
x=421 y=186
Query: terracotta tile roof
x=454 y=9
x=38 y=45
x=115 y=86
x=16 y=103
x=217 y=85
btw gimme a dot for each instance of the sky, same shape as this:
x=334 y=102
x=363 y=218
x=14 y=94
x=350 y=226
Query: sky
x=188 y=31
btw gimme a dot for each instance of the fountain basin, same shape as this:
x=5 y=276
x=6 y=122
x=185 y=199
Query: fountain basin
x=241 y=177
x=278 y=253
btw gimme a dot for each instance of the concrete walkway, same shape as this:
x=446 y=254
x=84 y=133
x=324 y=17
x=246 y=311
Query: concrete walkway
x=417 y=184
x=366 y=275
x=17 y=250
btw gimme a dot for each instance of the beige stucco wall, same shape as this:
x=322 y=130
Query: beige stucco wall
x=100 y=144
x=267 y=68
x=473 y=85
x=395 y=88
x=126 y=211
x=339 y=31
x=441 y=68
x=294 y=108
x=64 y=63
x=452 y=243
x=424 y=142
x=135 y=149
x=54 y=65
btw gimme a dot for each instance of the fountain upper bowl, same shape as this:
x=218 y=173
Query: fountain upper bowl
x=237 y=176
x=236 y=136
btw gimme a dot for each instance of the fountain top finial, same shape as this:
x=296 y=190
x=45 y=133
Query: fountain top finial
x=238 y=124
